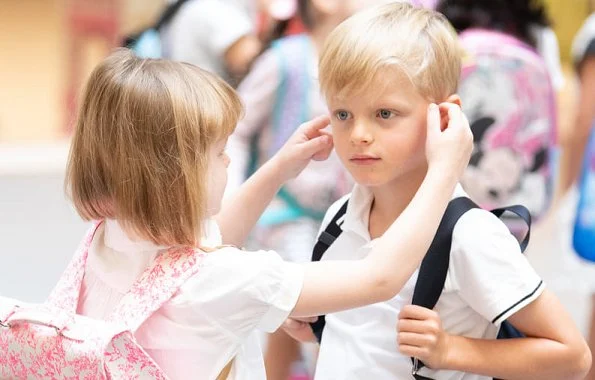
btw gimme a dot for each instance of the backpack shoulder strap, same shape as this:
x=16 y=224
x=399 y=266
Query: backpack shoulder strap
x=65 y=294
x=325 y=240
x=330 y=234
x=434 y=267
x=523 y=213
x=157 y=285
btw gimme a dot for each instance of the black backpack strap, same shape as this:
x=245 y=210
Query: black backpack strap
x=434 y=267
x=325 y=240
x=524 y=214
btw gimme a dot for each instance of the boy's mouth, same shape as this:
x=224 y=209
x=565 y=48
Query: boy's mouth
x=364 y=159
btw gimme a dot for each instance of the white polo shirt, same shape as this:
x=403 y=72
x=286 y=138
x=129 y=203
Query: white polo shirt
x=488 y=280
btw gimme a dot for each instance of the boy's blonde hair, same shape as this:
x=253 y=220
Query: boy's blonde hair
x=141 y=145
x=418 y=41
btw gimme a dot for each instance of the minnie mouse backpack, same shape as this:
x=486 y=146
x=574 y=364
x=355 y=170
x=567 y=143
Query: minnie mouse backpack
x=509 y=99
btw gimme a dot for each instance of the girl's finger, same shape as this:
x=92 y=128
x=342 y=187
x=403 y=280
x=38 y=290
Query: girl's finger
x=313 y=127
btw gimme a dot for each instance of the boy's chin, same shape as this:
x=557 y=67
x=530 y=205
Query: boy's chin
x=371 y=181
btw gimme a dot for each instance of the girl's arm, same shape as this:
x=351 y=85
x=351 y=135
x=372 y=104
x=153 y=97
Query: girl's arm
x=240 y=212
x=331 y=286
x=553 y=349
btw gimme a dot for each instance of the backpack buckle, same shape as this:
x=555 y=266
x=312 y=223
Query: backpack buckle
x=416 y=366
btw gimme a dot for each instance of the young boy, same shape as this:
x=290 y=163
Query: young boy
x=379 y=72
x=280 y=92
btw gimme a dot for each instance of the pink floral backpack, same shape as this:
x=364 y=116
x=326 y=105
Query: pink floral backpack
x=50 y=341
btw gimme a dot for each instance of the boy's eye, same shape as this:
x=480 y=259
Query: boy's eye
x=342 y=115
x=385 y=114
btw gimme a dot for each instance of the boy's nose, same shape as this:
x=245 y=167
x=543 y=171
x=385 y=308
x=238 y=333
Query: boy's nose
x=361 y=134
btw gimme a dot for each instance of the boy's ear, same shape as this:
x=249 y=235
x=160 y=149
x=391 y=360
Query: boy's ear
x=455 y=99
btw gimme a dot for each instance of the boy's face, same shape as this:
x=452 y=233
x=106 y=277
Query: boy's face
x=379 y=133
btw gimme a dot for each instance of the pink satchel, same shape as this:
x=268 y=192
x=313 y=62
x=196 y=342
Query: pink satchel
x=51 y=341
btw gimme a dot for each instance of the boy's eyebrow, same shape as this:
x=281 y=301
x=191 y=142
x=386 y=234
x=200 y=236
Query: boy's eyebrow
x=388 y=103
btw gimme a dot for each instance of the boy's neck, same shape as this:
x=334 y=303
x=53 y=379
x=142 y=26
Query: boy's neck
x=391 y=199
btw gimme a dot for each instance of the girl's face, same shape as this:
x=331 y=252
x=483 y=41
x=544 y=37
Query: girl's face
x=216 y=176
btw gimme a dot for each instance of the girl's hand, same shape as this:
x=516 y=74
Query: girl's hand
x=420 y=335
x=299 y=328
x=449 y=140
x=309 y=142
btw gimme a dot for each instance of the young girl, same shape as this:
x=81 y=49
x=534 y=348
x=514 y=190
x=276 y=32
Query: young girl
x=148 y=157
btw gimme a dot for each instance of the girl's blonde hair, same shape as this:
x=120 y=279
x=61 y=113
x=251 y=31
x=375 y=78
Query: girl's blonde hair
x=140 y=149
x=418 y=41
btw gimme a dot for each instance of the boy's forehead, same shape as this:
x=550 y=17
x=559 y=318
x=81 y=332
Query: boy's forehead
x=388 y=81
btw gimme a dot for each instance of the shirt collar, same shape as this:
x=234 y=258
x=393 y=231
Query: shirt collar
x=357 y=217
x=117 y=239
x=358 y=211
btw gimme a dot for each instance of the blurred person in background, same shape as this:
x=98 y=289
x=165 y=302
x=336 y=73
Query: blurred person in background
x=280 y=90
x=220 y=36
x=583 y=54
x=526 y=20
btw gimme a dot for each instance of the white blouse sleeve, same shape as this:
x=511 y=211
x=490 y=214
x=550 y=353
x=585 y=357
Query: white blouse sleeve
x=241 y=291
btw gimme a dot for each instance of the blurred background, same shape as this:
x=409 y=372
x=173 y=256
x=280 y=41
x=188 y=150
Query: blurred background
x=47 y=49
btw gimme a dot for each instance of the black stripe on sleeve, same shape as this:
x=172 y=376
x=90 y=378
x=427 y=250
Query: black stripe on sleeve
x=519 y=302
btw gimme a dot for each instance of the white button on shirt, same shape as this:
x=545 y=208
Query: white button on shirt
x=488 y=280
x=215 y=315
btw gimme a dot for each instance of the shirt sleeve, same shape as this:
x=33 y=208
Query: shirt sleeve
x=488 y=269
x=241 y=291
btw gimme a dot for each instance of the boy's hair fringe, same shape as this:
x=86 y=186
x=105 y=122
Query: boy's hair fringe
x=419 y=42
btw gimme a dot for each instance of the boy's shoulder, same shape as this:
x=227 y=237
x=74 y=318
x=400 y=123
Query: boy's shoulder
x=479 y=227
